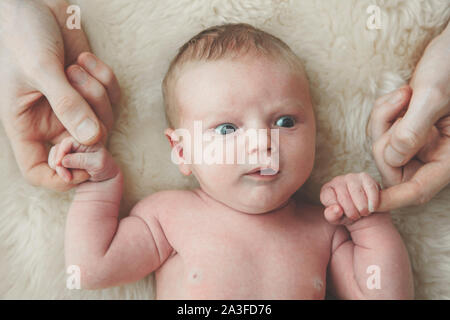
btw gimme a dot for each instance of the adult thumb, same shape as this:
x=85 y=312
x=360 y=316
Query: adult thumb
x=70 y=107
x=411 y=132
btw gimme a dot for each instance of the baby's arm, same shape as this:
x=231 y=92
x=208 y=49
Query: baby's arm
x=368 y=257
x=107 y=252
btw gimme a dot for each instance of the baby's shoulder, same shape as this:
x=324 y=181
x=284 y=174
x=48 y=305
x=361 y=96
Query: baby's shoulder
x=165 y=202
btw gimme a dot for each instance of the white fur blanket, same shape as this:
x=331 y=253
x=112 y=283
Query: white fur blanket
x=349 y=67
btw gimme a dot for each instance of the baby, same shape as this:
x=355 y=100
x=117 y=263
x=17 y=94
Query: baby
x=241 y=234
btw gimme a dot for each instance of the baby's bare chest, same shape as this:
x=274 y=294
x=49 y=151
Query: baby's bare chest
x=246 y=259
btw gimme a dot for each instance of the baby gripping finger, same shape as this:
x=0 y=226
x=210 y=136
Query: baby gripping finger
x=100 y=165
x=86 y=161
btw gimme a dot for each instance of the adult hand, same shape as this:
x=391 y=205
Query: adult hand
x=41 y=103
x=430 y=102
x=418 y=180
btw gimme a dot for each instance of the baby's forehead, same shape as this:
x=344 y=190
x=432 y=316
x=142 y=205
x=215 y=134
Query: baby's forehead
x=231 y=76
x=214 y=66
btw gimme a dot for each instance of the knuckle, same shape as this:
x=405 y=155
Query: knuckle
x=422 y=197
x=98 y=92
x=101 y=160
x=366 y=177
x=67 y=141
x=80 y=160
x=63 y=187
x=337 y=180
x=377 y=148
x=352 y=215
x=65 y=104
x=108 y=75
x=325 y=186
x=363 y=175
x=406 y=137
x=32 y=180
x=350 y=177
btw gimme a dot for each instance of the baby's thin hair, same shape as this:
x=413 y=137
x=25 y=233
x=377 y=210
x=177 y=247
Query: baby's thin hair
x=231 y=40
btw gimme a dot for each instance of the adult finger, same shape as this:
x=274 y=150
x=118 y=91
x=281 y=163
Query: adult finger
x=428 y=180
x=372 y=191
x=94 y=93
x=358 y=197
x=413 y=129
x=102 y=72
x=69 y=106
x=386 y=110
x=32 y=160
x=390 y=175
x=346 y=202
x=75 y=40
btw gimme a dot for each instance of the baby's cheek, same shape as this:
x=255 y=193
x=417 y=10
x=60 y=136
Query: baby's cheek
x=300 y=157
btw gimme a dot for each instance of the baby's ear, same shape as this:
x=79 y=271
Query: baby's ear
x=168 y=133
x=177 y=155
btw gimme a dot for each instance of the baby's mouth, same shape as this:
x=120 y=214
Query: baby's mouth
x=263 y=173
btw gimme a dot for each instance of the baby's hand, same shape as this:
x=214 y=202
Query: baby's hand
x=69 y=154
x=349 y=197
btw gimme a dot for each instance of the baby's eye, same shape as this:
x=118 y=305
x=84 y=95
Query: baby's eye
x=225 y=128
x=285 y=121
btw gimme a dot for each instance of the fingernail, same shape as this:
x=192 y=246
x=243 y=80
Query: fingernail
x=393 y=157
x=90 y=62
x=50 y=157
x=86 y=130
x=78 y=75
x=396 y=98
x=371 y=207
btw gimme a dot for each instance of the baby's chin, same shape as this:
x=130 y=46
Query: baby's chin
x=251 y=204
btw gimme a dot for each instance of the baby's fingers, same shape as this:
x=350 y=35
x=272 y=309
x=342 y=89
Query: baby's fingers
x=64 y=148
x=333 y=214
x=100 y=165
x=358 y=195
x=328 y=196
x=64 y=173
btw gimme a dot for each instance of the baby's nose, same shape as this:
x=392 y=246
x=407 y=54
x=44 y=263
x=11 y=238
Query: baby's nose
x=262 y=141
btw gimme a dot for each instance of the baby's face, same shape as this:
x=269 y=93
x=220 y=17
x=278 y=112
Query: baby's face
x=249 y=93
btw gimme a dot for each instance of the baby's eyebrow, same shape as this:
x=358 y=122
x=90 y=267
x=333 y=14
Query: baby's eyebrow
x=227 y=115
x=290 y=103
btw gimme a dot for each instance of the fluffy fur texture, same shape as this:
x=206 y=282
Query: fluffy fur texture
x=348 y=65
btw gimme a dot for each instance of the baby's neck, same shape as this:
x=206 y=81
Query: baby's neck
x=214 y=202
